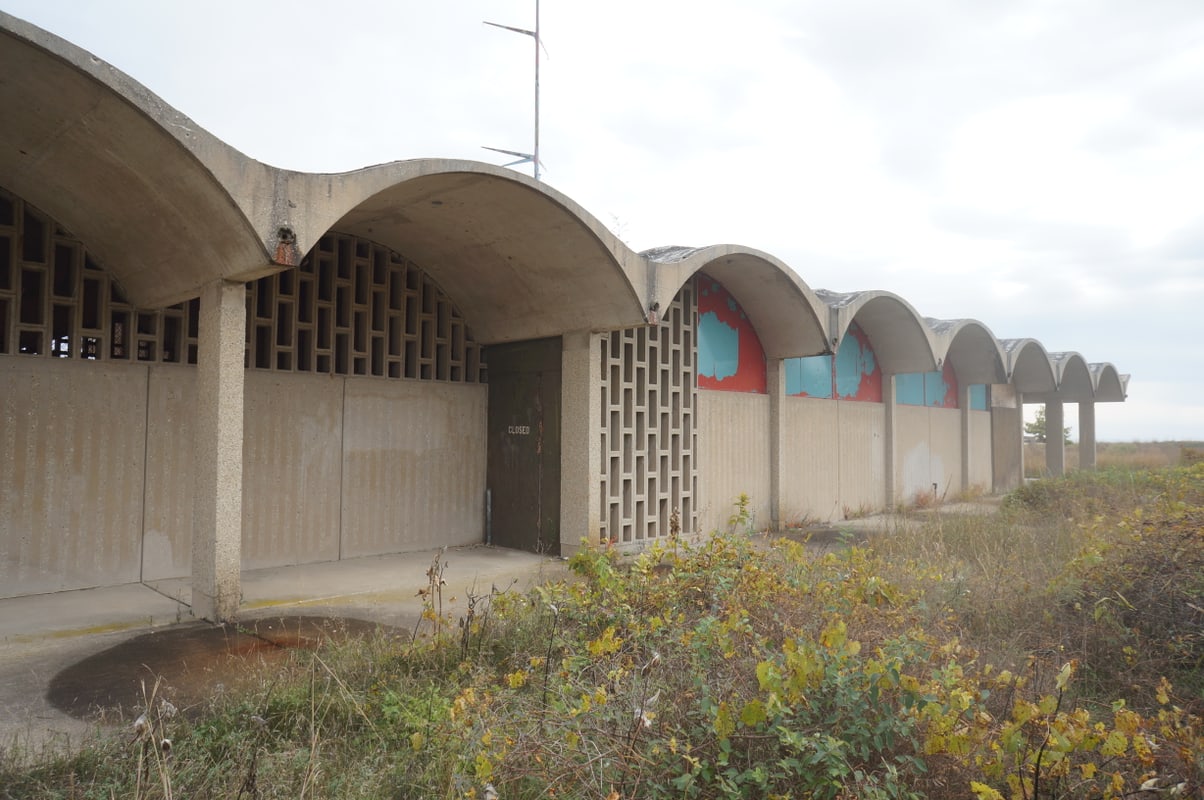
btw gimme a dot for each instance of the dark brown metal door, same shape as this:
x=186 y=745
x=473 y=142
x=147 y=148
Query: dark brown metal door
x=523 y=473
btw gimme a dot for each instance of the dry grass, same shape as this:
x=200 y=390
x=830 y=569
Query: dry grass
x=1015 y=581
x=1125 y=455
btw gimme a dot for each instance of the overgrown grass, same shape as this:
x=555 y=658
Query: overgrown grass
x=1104 y=566
x=1051 y=650
x=1122 y=455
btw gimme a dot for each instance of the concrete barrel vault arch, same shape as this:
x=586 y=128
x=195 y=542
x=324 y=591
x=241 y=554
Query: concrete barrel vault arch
x=1029 y=367
x=902 y=340
x=786 y=313
x=1110 y=386
x=1075 y=382
x=974 y=351
x=521 y=260
x=145 y=187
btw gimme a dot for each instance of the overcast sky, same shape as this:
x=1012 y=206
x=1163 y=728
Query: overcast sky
x=1038 y=166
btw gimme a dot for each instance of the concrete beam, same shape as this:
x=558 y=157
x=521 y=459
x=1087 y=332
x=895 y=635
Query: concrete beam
x=1086 y=435
x=580 y=440
x=217 y=503
x=1055 y=447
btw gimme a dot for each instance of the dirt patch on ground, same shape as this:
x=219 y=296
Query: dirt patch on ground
x=187 y=665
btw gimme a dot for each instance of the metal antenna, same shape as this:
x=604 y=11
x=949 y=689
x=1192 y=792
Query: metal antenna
x=532 y=157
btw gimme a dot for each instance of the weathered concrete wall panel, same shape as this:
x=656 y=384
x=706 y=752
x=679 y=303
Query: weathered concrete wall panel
x=1006 y=453
x=413 y=465
x=810 y=482
x=291 y=468
x=945 y=427
x=913 y=453
x=167 y=529
x=862 y=457
x=72 y=435
x=980 y=450
x=733 y=438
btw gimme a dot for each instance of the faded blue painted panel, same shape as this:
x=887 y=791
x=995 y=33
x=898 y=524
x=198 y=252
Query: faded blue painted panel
x=718 y=347
x=909 y=388
x=811 y=376
x=854 y=361
x=935 y=389
x=978 y=397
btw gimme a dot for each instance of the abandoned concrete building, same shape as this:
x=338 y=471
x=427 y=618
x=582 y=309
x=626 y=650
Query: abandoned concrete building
x=209 y=365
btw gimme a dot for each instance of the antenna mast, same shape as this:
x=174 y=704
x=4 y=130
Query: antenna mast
x=533 y=156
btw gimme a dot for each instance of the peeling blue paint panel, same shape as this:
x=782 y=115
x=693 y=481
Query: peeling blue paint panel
x=854 y=362
x=909 y=389
x=937 y=389
x=978 y=397
x=934 y=389
x=718 y=347
x=810 y=376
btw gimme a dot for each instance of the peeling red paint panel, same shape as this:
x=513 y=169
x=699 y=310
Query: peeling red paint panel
x=949 y=380
x=859 y=369
x=730 y=355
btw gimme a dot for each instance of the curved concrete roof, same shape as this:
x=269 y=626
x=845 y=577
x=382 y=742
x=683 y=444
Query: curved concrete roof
x=902 y=340
x=971 y=348
x=1075 y=383
x=1110 y=386
x=113 y=163
x=1041 y=376
x=1029 y=366
x=521 y=260
x=787 y=315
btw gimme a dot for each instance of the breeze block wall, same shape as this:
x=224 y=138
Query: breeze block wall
x=648 y=428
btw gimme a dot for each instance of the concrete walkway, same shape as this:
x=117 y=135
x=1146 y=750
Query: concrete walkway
x=42 y=634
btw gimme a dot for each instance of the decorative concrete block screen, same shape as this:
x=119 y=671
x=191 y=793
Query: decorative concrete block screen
x=648 y=385
x=55 y=301
x=353 y=307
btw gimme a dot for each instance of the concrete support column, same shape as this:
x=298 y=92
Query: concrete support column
x=217 y=497
x=1055 y=447
x=888 y=401
x=580 y=440
x=775 y=384
x=1018 y=437
x=963 y=405
x=1087 y=435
